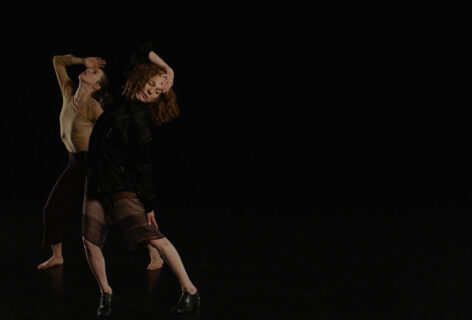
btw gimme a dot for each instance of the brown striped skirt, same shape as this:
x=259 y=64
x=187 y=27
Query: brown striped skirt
x=122 y=209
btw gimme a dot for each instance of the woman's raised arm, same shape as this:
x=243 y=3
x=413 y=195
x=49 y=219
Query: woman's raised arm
x=154 y=58
x=61 y=62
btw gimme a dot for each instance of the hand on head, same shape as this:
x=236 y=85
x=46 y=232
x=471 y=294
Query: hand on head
x=94 y=62
x=168 y=80
x=151 y=219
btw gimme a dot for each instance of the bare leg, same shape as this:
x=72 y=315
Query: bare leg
x=56 y=258
x=156 y=260
x=97 y=265
x=172 y=258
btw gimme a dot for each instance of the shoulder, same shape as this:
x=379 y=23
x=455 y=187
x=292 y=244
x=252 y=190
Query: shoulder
x=95 y=106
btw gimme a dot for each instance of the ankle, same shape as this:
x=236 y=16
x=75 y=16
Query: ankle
x=107 y=291
x=154 y=254
x=191 y=290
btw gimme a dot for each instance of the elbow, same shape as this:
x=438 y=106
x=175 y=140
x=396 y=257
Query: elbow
x=60 y=59
x=56 y=60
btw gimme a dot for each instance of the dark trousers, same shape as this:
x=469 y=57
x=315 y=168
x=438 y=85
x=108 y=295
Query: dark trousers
x=67 y=189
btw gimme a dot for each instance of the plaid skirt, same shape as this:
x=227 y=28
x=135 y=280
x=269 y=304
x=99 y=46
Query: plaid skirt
x=123 y=210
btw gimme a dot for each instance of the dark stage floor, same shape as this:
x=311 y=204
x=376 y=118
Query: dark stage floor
x=262 y=253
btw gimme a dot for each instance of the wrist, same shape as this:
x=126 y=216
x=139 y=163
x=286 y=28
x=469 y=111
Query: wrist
x=76 y=60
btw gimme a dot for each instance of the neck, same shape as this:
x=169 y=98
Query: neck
x=84 y=92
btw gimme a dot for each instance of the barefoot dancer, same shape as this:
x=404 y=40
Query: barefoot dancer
x=80 y=109
x=119 y=186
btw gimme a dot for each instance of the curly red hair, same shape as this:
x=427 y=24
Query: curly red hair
x=165 y=108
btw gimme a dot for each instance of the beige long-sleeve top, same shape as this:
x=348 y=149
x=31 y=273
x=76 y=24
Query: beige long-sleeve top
x=76 y=122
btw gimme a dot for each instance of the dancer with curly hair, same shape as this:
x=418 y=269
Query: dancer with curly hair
x=119 y=187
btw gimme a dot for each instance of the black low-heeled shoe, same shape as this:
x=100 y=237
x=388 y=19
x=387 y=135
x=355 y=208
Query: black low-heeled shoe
x=104 y=308
x=187 y=302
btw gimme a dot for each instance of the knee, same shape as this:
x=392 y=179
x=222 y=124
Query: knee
x=89 y=247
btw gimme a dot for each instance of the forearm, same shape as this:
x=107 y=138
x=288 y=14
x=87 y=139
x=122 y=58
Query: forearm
x=154 y=58
x=67 y=60
x=60 y=62
x=76 y=60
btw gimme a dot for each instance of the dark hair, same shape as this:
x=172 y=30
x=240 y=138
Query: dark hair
x=165 y=108
x=103 y=95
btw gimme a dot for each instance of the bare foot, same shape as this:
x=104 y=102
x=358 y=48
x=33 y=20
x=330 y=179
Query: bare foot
x=52 y=262
x=156 y=262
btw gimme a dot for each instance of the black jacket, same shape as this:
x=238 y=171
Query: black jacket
x=118 y=158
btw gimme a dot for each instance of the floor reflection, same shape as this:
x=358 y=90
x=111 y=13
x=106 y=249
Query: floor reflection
x=152 y=279
x=56 y=279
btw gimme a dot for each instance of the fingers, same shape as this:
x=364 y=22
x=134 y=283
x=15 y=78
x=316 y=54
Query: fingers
x=151 y=220
x=168 y=77
x=167 y=88
x=167 y=81
x=99 y=62
x=166 y=85
x=94 y=62
x=154 y=223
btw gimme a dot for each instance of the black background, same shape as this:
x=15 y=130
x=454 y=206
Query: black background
x=358 y=112
x=324 y=97
x=250 y=104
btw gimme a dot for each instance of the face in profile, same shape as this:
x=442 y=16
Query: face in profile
x=92 y=77
x=152 y=89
